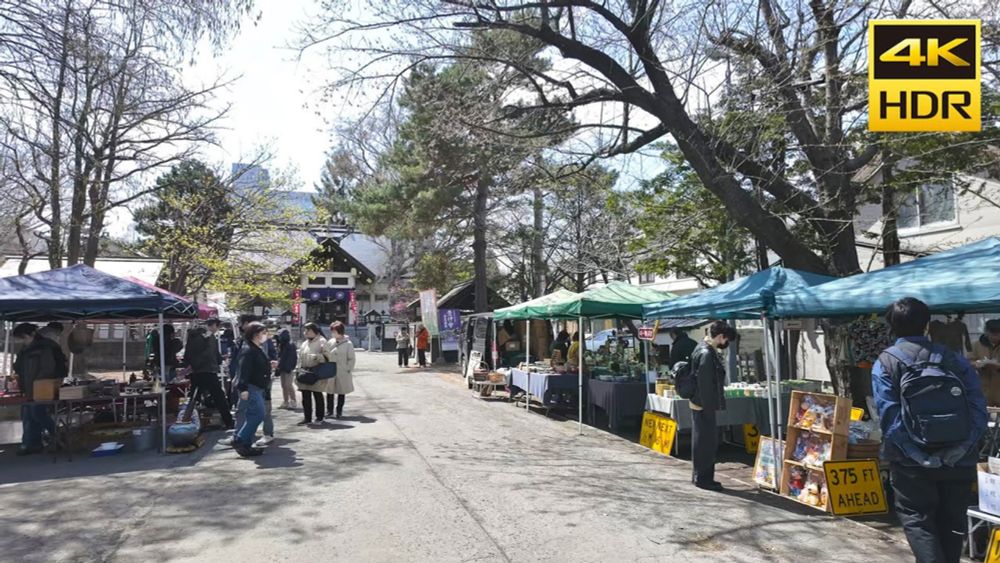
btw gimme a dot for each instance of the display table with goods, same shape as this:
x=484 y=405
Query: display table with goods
x=818 y=427
x=485 y=382
x=547 y=387
x=746 y=403
x=620 y=400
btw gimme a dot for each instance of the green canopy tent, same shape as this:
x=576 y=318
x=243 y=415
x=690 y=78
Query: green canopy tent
x=614 y=300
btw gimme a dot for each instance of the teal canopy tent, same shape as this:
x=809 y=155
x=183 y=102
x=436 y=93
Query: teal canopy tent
x=745 y=298
x=961 y=280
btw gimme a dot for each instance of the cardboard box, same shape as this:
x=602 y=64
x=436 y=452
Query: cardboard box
x=989 y=490
x=46 y=389
x=74 y=392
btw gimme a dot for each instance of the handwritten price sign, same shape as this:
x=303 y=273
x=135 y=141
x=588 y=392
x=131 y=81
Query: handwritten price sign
x=658 y=432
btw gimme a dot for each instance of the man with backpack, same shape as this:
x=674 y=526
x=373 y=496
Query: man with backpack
x=933 y=415
x=701 y=381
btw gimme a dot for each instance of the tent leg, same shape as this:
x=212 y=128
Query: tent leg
x=649 y=389
x=163 y=387
x=579 y=388
x=124 y=349
x=6 y=349
x=779 y=328
x=771 y=411
x=527 y=361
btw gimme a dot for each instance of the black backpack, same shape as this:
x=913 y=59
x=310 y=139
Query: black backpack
x=686 y=376
x=933 y=399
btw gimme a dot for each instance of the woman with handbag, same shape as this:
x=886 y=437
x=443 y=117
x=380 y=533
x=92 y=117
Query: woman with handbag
x=312 y=353
x=341 y=352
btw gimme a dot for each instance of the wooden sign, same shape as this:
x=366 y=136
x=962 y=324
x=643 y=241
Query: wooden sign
x=658 y=432
x=751 y=438
x=768 y=463
x=993 y=553
x=855 y=487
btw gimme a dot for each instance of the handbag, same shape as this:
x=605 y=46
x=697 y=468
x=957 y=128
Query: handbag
x=306 y=378
x=317 y=373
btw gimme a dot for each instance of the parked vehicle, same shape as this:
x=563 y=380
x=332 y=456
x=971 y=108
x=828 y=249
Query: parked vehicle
x=596 y=341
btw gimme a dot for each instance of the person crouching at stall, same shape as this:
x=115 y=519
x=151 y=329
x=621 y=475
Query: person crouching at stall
x=312 y=352
x=340 y=350
x=255 y=376
x=39 y=359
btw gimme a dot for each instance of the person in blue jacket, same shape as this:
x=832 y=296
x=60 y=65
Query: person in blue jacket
x=933 y=414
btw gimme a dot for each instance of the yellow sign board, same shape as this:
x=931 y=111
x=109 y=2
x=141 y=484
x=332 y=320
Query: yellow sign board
x=857 y=413
x=658 y=432
x=855 y=487
x=751 y=438
x=924 y=75
x=993 y=553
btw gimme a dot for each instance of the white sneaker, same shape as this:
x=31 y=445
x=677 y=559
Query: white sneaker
x=293 y=405
x=263 y=442
x=228 y=441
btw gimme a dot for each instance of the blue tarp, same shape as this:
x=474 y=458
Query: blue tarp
x=81 y=292
x=745 y=298
x=961 y=280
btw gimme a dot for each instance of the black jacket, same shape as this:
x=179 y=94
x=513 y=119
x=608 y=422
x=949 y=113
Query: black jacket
x=202 y=353
x=288 y=356
x=681 y=349
x=711 y=375
x=255 y=367
x=42 y=358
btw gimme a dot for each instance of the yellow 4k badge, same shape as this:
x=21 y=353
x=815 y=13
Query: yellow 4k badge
x=923 y=75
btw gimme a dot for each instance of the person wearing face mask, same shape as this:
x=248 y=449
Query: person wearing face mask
x=313 y=352
x=255 y=376
x=708 y=398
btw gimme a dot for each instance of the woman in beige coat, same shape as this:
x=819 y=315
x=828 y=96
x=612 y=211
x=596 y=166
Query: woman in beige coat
x=313 y=352
x=340 y=350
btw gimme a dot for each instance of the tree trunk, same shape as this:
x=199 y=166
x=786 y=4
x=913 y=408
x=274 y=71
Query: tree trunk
x=538 y=271
x=479 y=244
x=890 y=229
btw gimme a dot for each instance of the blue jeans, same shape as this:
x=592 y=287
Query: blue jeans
x=255 y=411
x=34 y=419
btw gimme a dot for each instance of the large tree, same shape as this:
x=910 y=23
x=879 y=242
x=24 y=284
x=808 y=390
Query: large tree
x=650 y=69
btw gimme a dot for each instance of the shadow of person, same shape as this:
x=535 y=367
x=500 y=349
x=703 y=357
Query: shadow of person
x=359 y=418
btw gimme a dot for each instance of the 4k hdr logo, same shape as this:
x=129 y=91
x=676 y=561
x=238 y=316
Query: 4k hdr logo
x=923 y=75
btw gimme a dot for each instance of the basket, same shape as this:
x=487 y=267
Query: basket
x=864 y=449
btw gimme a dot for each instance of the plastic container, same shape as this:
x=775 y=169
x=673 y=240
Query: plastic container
x=144 y=439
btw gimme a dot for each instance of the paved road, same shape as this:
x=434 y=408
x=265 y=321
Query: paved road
x=418 y=471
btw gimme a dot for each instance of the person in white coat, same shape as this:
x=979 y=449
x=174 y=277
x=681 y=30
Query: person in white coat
x=341 y=351
x=313 y=352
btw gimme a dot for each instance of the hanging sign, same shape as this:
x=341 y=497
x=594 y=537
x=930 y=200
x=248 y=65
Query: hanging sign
x=769 y=453
x=855 y=487
x=428 y=311
x=646 y=333
x=658 y=432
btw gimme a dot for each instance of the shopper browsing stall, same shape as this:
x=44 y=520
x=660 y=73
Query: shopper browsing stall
x=933 y=414
x=39 y=359
x=681 y=347
x=709 y=397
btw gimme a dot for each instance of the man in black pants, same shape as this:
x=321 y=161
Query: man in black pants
x=708 y=398
x=203 y=356
x=933 y=414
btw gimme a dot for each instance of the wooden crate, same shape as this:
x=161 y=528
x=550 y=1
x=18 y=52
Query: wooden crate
x=841 y=419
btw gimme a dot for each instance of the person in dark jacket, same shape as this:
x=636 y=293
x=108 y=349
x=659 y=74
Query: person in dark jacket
x=202 y=355
x=287 y=360
x=40 y=358
x=682 y=347
x=932 y=486
x=255 y=374
x=706 y=364
x=561 y=344
x=172 y=346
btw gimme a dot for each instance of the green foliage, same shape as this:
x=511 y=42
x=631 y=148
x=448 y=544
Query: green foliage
x=684 y=230
x=438 y=271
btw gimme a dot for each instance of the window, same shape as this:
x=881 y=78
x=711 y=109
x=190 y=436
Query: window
x=316 y=280
x=340 y=282
x=381 y=297
x=647 y=277
x=930 y=204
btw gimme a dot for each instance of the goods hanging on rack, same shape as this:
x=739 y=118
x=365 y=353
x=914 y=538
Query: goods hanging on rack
x=817 y=432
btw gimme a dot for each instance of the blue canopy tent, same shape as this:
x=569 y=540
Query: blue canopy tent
x=961 y=280
x=745 y=298
x=751 y=297
x=80 y=292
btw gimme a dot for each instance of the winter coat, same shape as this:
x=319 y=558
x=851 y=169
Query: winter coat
x=202 y=353
x=343 y=354
x=312 y=353
x=287 y=354
x=423 y=339
x=255 y=368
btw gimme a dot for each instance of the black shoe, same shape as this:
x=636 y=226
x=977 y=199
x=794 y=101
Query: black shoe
x=339 y=414
x=248 y=451
x=303 y=423
x=713 y=486
x=28 y=451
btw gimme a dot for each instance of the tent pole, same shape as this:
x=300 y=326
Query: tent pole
x=124 y=348
x=6 y=349
x=163 y=386
x=772 y=419
x=779 y=328
x=527 y=362
x=649 y=389
x=579 y=375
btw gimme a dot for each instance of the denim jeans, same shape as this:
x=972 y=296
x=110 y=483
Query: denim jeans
x=268 y=420
x=253 y=416
x=34 y=419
